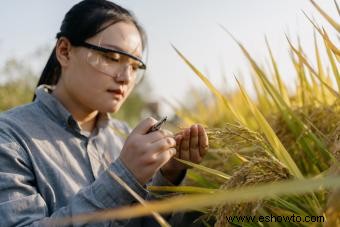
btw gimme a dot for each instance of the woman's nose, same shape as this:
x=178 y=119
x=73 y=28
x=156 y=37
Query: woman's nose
x=125 y=74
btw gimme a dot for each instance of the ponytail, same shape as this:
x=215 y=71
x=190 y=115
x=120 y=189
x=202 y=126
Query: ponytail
x=51 y=73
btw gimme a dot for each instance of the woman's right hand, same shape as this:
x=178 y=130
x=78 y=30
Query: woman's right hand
x=144 y=154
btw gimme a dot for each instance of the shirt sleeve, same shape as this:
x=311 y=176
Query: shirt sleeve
x=21 y=204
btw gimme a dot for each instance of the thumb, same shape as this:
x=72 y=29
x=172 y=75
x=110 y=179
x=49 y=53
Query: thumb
x=144 y=125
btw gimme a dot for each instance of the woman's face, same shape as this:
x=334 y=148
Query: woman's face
x=92 y=89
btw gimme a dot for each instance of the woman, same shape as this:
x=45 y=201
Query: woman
x=58 y=153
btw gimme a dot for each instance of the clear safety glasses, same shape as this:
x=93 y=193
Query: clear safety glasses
x=108 y=61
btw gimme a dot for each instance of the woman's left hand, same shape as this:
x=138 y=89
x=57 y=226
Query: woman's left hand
x=191 y=145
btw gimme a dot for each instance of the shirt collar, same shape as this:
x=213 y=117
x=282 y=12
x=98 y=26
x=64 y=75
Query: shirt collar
x=60 y=114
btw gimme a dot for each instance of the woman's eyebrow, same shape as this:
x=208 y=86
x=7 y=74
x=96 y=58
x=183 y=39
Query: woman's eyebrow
x=111 y=46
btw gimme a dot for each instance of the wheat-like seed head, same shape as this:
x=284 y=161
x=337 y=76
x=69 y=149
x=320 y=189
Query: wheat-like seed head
x=257 y=171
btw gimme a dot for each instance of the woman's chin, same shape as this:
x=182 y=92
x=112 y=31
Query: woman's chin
x=111 y=108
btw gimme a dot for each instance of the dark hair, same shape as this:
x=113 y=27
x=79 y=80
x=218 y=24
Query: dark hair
x=83 y=21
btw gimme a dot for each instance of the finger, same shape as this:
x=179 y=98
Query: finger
x=184 y=150
x=203 y=141
x=165 y=156
x=157 y=135
x=144 y=125
x=194 y=146
x=163 y=144
x=178 y=139
x=179 y=133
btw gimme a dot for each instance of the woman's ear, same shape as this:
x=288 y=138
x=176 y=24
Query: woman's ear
x=63 y=48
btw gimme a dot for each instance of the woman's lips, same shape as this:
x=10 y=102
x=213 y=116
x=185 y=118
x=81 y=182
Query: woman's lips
x=116 y=93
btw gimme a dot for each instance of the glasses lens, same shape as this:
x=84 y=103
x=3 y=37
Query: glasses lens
x=110 y=62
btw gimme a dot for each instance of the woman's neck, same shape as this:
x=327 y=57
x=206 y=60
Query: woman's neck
x=85 y=117
x=87 y=123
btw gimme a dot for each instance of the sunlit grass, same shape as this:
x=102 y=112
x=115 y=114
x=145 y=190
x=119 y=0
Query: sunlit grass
x=271 y=154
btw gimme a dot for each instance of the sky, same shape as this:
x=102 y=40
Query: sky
x=192 y=26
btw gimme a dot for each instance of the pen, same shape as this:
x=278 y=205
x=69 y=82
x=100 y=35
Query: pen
x=157 y=126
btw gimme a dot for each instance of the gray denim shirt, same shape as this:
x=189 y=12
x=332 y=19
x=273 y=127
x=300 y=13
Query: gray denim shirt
x=50 y=168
